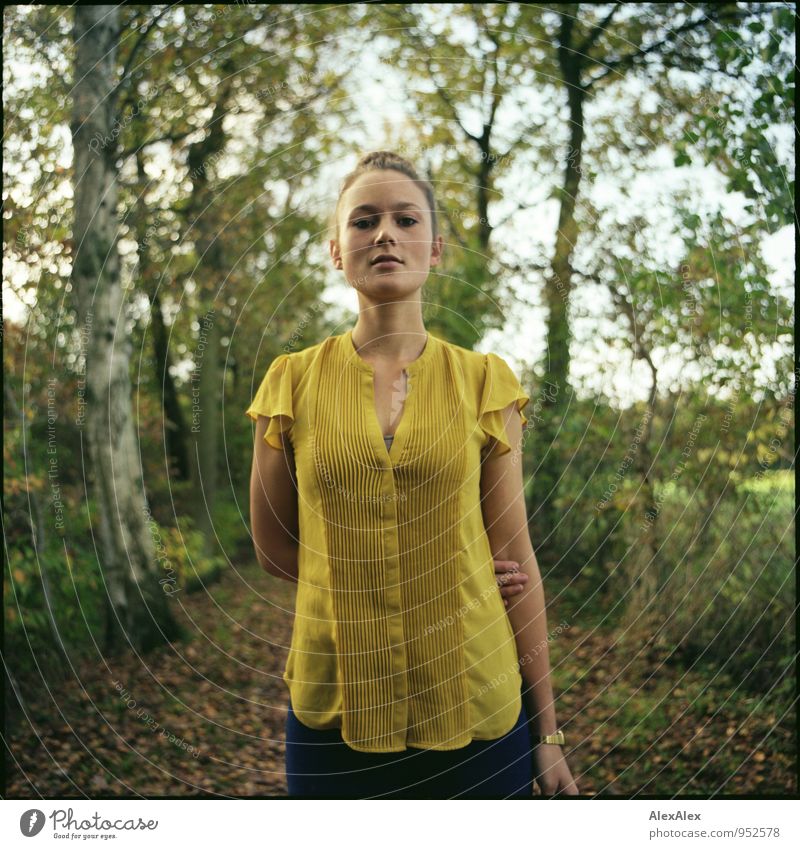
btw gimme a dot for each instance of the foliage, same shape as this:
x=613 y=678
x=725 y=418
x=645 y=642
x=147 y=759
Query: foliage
x=79 y=605
x=712 y=84
x=720 y=591
x=733 y=125
x=184 y=554
x=591 y=449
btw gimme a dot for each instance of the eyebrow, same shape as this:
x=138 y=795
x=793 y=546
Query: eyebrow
x=368 y=207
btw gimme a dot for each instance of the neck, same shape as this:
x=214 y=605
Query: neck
x=390 y=332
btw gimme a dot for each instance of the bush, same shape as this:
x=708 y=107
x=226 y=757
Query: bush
x=720 y=592
x=77 y=605
x=232 y=531
x=77 y=588
x=186 y=559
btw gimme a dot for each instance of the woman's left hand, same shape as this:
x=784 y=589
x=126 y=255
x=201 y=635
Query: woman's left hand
x=509 y=578
x=550 y=771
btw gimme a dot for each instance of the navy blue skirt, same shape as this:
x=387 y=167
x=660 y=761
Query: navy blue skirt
x=320 y=765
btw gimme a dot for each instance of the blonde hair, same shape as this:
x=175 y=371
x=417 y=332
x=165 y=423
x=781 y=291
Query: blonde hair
x=385 y=160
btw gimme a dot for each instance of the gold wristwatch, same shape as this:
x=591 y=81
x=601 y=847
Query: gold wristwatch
x=557 y=738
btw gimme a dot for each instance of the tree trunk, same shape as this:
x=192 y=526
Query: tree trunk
x=206 y=389
x=645 y=458
x=206 y=386
x=138 y=607
x=174 y=423
x=163 y=384
x=558 y=286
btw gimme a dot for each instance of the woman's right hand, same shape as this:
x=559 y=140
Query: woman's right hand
x=510 y=579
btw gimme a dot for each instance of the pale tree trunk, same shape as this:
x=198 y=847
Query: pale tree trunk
x=139 y=608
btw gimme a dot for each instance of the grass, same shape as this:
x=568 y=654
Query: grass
x=781 y=480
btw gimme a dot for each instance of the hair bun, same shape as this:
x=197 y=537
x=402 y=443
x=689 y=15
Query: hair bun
x=386 y=159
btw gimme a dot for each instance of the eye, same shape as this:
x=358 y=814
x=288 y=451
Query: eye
x=404 y=218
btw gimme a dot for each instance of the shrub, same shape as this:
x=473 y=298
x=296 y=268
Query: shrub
x=720 y=589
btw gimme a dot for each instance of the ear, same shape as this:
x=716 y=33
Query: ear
x=336 y=254
x=437 y=248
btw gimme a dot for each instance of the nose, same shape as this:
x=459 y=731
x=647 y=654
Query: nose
x=384 y=232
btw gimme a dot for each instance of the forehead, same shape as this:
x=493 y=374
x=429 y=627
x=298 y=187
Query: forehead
x=384 y=189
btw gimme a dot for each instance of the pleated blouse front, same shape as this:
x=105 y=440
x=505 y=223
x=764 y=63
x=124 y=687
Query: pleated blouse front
x=400 y=638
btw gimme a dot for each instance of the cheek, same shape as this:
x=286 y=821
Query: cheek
x=352 y=246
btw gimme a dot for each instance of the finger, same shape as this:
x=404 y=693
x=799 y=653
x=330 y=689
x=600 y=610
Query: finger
x=507 y=579
x=506 y=566
x=512 y=587
x=511 y=576
x=510 y=579
x=567 y=787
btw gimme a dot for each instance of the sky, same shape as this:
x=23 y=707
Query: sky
x=522 y=341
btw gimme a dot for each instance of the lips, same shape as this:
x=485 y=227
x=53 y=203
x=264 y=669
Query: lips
x=384 y=258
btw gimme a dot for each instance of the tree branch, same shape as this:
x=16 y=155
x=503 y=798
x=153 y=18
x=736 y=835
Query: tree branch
x=124 y=78
x=592 y=37
x=630 y=59
x=173 y=137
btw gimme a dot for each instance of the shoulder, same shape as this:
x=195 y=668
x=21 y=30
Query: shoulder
x=300 y=361
x=301 y=355
x=472 y=362
x=476 y=365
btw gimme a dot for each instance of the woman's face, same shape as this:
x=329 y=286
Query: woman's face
x=385 y=212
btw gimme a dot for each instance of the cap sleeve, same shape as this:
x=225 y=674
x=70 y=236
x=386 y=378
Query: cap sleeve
x=274 y=399
x=500 y=389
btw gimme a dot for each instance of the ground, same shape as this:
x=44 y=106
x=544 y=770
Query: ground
x=205 y=716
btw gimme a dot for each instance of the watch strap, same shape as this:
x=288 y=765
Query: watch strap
x=557 y=738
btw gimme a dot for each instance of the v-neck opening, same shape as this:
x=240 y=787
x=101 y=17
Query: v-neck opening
x=391 y=436
x=412 y=369
x=403 y=415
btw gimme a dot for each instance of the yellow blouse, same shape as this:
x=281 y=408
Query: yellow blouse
x=400 y=638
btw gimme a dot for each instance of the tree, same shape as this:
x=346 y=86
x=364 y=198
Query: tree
x=139 y=609
x=247 y=80
x=460 y=87
x=715 y=312
x=575 y=52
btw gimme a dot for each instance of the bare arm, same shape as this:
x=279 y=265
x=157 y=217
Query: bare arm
x=273 y=506
x=506 y=521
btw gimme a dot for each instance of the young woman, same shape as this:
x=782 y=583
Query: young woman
x=384 y=483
